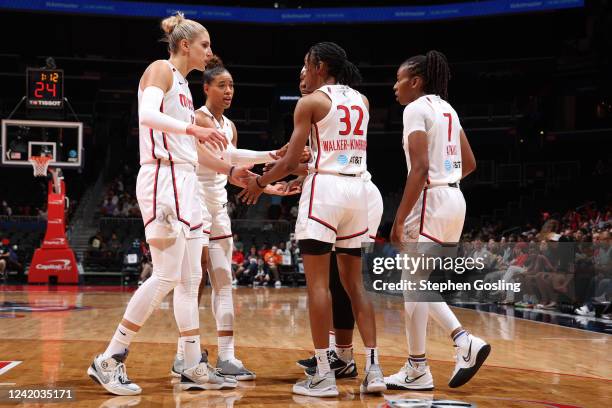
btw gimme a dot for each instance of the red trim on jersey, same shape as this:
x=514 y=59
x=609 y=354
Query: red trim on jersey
x=206 y=231
x=316 y=128
x=422 y=223
x=176 y=201
x=150 y=220
x=352 y=235
x=373 y=237
x=312 y=217
x=196 y=227
x=220 y=237
x=152 y=143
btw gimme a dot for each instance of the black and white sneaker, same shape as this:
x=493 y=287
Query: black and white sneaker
x=307 y=362
x=339 y=367
x=110 y=373
x=468 y=360
x=205 y=377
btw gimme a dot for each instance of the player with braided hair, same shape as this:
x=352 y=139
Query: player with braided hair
x=432 y=208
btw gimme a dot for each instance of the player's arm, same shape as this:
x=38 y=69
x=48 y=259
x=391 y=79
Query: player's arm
x=155 y=82
x=468 y=161
x=415 y=182
x=244 y=156
x=302 y=118
x=206 y=157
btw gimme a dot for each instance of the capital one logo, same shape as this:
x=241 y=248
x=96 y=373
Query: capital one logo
x=55 y=265
x=54 y=221
x=55 y=241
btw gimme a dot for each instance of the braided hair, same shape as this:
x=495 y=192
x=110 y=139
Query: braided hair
x=433 y=68
x=338 y=66
x=214 y=68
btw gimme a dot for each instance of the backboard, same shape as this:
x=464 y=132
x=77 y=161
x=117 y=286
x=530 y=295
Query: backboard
x=63 y=141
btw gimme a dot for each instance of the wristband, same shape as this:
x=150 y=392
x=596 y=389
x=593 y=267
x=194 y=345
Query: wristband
x=257 y=182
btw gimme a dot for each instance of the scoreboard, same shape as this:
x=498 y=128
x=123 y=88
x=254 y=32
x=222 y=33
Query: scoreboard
x=45 y=88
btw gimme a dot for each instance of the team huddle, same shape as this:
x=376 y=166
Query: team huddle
x=188 y=156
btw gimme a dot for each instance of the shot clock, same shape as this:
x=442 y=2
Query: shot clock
x=45 y=88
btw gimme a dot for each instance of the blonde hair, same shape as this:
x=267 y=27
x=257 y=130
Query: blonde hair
x=177 y=28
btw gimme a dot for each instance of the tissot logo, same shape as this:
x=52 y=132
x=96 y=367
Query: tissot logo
x=55 y=265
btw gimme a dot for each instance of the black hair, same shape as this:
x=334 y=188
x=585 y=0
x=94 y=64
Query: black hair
x=214 y=68
x=433 y=68
x=338 y=66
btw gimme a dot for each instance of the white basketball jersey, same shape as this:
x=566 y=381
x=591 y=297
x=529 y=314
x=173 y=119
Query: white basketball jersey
x=155 y=144
x=213 y=182
x=438 y=119
x=339 y=140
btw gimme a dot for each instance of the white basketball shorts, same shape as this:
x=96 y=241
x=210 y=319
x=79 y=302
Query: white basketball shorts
x=437 y=216
x=375 y=209
x=333 y=209
x=168 y=202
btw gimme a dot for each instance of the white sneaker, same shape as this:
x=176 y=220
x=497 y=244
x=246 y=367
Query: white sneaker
x=317 y=386
x=410 y=377
x=205 y=377
x=177 y=367
x=374 y=380
x=469 y=359
x=584 y=311
x=277 y=284
x=110 y=373
x=234 y=368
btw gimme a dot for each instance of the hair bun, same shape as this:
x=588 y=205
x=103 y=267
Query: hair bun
x=169 y=24
x=214 y=62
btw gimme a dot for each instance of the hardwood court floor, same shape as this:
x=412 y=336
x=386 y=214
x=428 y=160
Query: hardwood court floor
x=531 y=365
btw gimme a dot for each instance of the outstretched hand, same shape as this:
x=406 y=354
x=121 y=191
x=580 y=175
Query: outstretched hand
x=208 y=135
x=251 y=192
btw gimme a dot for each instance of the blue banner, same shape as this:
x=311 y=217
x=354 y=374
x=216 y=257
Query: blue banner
x=291 y=16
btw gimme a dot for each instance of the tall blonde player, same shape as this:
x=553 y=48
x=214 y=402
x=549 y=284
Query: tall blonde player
x=170 y=208
x=432 y=209
x=219 y=91
x=333 y=207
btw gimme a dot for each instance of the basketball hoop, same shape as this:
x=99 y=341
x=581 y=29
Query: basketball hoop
x=40 y=165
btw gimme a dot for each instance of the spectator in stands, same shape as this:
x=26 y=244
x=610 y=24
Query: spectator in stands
x=246 y=274
x=273 y=259
x=96 y=243
x=5 y=209
x=600 y=286
x=9 y=261
x=238 y=245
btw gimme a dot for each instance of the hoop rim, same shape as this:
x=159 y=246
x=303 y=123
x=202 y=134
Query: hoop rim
x=40 y=164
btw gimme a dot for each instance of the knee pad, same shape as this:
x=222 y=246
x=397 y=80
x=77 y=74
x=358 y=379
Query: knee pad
x=148 y=297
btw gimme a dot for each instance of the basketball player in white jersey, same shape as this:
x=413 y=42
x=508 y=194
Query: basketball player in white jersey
x=341 y=358
x=333 y=208
x=166 y=192
x=219 y=91
x=432 y=209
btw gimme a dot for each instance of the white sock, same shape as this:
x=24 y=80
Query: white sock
x=418 y=362
x=192 y=351
x=226 y=347
x=345 y=352
x=371 y=356
x=332 y=340
x=180 y=350
x=322 y=361
x=120 y=342
x=461 y=339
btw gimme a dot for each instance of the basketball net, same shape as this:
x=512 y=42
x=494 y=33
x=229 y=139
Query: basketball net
x=40 y=165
